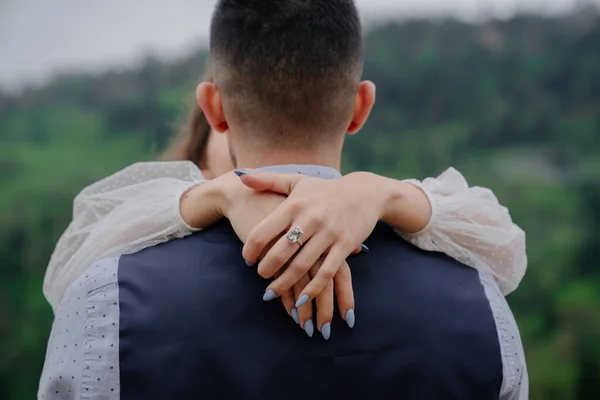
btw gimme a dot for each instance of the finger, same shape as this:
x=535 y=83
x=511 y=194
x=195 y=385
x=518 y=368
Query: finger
x=301 y=263
x=280 y=254
x=245 y=171
x=342 y=283
x=289 y=301
x=335 y=258
x=269 y=229
x=270 y=294
x=324 y=302
x=265 y=181
x=361 y=249
x=305 y=311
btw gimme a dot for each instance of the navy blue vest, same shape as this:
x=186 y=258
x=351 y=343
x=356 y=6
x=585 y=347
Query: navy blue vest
x=193 y=325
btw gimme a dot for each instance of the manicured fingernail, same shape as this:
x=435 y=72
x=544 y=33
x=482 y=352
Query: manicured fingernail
x=302 y=301
x=269 y=295
x=309 y=328
x=350 y=318
x=364 y=249
x=250 y=264
x=295 y=316
x=326 y=331
x=240 y=172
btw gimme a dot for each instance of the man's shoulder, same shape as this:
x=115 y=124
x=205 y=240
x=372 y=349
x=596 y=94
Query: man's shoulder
x=218 y=240
x=188 y=265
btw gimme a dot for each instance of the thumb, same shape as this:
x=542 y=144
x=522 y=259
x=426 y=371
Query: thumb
x=268 y=181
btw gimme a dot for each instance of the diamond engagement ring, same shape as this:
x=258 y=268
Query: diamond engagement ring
x=294 y=235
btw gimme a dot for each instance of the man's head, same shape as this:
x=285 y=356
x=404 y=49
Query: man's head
x=286 y=72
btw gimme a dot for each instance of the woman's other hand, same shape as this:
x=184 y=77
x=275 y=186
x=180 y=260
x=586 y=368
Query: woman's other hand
x=340 y=289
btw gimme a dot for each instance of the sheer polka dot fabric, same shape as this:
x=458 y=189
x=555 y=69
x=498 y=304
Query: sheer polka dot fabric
x=471 y=226
x=135 y=208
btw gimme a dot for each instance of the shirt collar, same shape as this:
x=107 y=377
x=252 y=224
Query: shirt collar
x=316 y=171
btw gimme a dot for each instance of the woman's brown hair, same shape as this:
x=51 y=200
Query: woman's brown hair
x=191 y=141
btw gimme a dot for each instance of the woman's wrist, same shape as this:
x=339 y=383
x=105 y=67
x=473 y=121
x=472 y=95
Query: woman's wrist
x=407 y=207
x=401 y=204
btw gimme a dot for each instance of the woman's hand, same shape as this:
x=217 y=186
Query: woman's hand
x=335 y=216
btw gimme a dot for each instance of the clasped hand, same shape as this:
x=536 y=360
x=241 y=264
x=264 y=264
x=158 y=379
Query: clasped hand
x=336 y=216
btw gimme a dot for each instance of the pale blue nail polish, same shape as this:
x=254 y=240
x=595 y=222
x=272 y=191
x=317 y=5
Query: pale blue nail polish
x=326 y=331
x=350 y=319
x=295 y=316
x=302 y=301
x=269 y=295
x=240 y=172
x=250 y=264
x=364 y=249
x=309 y=328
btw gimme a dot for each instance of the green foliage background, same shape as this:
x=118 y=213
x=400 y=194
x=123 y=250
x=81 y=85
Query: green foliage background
x=514 y=105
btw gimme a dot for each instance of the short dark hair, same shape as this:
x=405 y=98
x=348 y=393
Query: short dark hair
x=289 y=69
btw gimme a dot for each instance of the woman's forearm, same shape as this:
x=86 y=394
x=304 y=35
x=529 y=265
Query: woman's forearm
x=202 y=205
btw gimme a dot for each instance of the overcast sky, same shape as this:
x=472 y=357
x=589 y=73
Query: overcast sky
x=40 y=37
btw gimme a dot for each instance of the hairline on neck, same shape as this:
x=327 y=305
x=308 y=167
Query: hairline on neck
x=250 y=154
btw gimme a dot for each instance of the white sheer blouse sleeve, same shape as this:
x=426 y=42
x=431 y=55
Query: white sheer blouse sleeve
x=470 y=225
x=135 y=208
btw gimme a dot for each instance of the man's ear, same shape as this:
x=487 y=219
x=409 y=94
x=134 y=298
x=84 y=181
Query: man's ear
x=210 y=101
x=363 y=103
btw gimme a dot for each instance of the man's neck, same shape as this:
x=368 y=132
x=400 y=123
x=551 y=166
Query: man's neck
x=256 y=159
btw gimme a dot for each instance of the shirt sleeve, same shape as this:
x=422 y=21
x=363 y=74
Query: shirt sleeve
x=82 y=358
x=470 y=225
x=62 y=372
x=521 y=391
x=135 y=208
